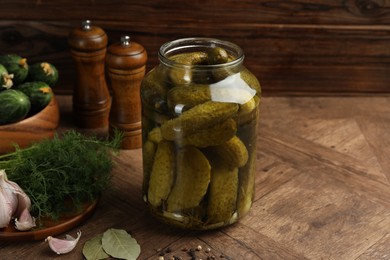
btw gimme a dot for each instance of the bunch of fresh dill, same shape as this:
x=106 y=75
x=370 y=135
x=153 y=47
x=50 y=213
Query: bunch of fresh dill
x=72 y=168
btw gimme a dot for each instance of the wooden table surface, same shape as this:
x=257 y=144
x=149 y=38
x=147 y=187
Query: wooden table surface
x=322 y=190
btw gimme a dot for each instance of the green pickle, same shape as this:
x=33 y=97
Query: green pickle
x=233 y=152
x=184 y=75
x=188 y=97
x=199 y=136
x=213 y=136
x=192 y=180
x=247 y=186
x=148 y=152
x=217 y=55
x=162 y=174
x=197 y=118
x=222 y=197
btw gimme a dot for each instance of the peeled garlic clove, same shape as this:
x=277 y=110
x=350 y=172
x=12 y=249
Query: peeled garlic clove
x=25 y=221
x=63 y=246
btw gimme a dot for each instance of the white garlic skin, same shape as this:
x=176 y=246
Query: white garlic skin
x=8 y=200
x=14 y=202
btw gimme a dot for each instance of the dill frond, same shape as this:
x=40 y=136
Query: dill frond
x=72 y=168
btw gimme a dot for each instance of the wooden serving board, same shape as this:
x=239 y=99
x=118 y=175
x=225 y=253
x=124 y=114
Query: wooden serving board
x=50 y=227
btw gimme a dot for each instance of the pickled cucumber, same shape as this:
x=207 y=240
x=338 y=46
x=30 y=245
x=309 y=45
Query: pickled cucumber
x=233 y=152
x=148 y=152
x=199 y=117
x=251 y=80
x=187 y=97
x=247 y=185
x=217 y=55
x=155 y=135
x=182 y=75
x=222 y=196
x=249 y=111
x=162 y=174
x=191 y=58
x=212 y=136
x=153 y=91
x=192 y=179
x=248 y=106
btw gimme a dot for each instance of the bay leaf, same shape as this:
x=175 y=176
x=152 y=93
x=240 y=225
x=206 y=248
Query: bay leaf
x=120 y=244
x=93 y=249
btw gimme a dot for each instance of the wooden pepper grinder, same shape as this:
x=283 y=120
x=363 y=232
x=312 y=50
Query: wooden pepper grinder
x=125 y=62
x=91 y=98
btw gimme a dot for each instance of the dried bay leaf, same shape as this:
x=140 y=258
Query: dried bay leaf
x=120 y=244
x=93 y=249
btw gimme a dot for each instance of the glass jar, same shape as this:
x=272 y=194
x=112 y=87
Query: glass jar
x=199 y=121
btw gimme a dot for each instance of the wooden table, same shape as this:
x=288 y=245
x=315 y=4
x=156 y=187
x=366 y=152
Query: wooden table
x=322 y=190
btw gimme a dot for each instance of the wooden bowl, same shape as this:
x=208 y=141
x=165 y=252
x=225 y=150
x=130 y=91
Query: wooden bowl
x=30 y=130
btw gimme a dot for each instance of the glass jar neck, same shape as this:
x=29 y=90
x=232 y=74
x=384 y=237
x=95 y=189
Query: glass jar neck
x=191 y=45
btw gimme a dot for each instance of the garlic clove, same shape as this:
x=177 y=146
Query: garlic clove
x=24 y=201
x=63 y=246
x=25 y=221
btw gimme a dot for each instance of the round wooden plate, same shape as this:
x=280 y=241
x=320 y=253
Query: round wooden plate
x=50 y=228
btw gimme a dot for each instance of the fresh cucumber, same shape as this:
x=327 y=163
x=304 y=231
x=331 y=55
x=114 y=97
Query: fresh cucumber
x=15 y=65
x=39 y=93
x=45 y=72
x=14 y=106
x=5 y=78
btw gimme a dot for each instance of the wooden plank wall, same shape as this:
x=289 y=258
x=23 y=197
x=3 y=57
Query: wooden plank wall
x=293 y=47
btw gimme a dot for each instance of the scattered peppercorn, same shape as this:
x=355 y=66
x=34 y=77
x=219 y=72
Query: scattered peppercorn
x=195 y=253
x=192 y=254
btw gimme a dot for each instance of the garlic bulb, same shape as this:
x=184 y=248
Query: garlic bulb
x=63 y=246
x=8 y=200
x=5 y=211
x=14 y=202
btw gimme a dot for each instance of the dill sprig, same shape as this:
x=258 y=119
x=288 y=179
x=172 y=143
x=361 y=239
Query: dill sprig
x=62 y=173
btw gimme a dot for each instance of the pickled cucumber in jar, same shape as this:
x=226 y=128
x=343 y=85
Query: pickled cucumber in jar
x=200 y=114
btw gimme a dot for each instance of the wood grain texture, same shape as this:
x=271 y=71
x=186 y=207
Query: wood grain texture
x=300 y=47
x=322 y=190
x=125 y=66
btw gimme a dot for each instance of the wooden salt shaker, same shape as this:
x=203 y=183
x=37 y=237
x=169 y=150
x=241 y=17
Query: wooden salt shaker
x=91 y=98
x=125 y=62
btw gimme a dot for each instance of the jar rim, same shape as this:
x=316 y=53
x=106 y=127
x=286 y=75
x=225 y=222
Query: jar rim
x=195 y=42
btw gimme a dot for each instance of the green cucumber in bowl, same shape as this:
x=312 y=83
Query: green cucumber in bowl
x=39 y=93
x=5 y=78
x=45 y=72
x=14 y=106
x=15 y=65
